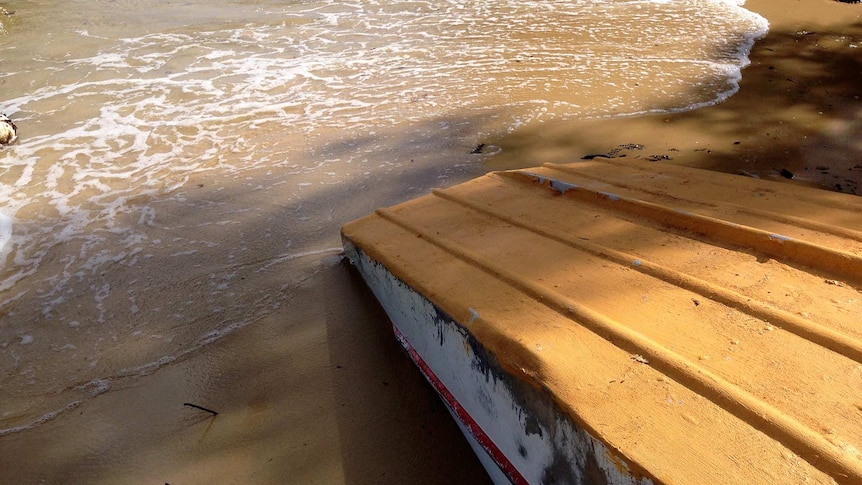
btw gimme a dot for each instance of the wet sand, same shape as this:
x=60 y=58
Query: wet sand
x=324 y=393
x=798 y=111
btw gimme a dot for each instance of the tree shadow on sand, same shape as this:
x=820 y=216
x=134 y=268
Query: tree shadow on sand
x=325 y=363
x=797 y=117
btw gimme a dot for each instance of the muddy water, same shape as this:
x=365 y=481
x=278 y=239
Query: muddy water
x=182 y=167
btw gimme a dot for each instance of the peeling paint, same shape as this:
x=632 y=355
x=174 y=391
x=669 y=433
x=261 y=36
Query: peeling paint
x=562 y=187
x=538 y=439
x=558 y=185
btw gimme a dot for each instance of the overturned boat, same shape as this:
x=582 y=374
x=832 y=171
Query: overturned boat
x=631 y=322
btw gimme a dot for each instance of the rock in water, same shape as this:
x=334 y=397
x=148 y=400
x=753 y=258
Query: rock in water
x=8 y=130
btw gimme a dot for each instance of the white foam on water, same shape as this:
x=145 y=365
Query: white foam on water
x=41 y=420
x=126 y=128
x=5 y=233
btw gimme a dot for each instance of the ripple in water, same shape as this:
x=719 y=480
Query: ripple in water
x=114 y=263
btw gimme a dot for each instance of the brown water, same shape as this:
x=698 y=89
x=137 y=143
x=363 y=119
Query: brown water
x=183 y=167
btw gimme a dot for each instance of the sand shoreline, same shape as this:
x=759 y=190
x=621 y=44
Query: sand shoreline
x=326 y=396
x=798 y=111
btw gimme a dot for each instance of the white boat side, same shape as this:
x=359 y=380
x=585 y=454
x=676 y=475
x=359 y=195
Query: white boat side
x=516 y=431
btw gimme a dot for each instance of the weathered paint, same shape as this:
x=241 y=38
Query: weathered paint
x=665 y=334
x=520 y=435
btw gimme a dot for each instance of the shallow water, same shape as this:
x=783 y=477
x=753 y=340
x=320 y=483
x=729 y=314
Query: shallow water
x=182 y=167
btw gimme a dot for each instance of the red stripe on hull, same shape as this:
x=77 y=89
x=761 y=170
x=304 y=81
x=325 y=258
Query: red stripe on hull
x=478 y=433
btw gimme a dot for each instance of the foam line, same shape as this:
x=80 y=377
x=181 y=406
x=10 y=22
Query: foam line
x=5 y=231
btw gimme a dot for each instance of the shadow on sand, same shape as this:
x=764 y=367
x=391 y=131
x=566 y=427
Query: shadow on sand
x=798 y=113
x=319 y=391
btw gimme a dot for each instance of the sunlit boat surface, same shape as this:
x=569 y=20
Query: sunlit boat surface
x=627 y=322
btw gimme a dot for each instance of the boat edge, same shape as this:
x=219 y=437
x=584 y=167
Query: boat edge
x=499 y=415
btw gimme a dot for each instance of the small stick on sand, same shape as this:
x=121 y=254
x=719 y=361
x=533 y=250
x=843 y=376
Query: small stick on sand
x=200 y=407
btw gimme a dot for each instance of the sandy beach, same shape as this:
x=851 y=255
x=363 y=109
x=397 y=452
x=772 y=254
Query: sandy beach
x=797 y=110
x=324 y=394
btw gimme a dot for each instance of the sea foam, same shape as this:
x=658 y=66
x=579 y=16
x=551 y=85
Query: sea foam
x=300 y=101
